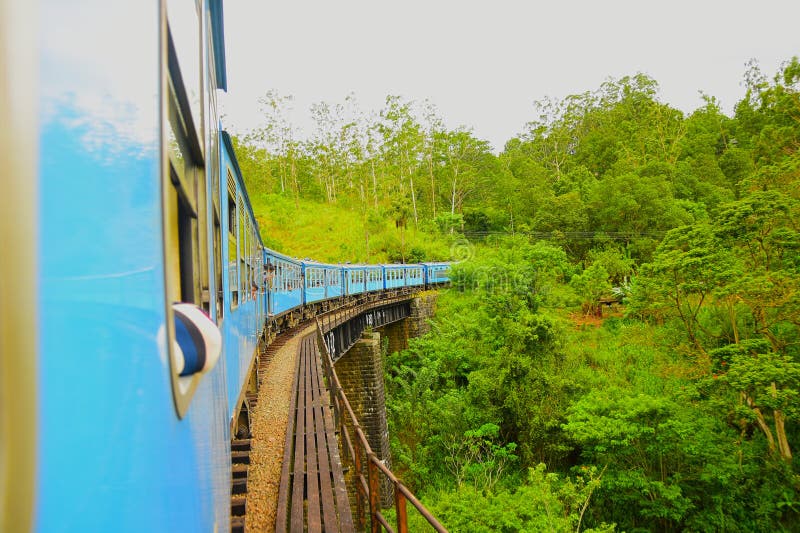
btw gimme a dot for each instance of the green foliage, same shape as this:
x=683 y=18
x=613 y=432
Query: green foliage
x=544 y=502
x=676 y=449
x=681 y=411
x=591 y=285
x=477 y=458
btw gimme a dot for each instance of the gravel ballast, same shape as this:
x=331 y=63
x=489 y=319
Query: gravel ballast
x=268 y=426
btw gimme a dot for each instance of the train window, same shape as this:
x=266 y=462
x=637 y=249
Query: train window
x=252 y=257
x=219 y=297
x=183 y=19
x=244 y=249
x=216 y=219
x=184 y=191
x=242 y=244
x=233 y=271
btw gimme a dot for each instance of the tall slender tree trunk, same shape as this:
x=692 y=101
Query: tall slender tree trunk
x=295 y=185
x=780 y=429
x=762 y=423
x=734 y=326
x=433 y=185
x=374 y=184
x=453 y=193
x=413 y=198
x=282 y=172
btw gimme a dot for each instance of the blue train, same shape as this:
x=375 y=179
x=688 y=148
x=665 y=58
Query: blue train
x=123 y=203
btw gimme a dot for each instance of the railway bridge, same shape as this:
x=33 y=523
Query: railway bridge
x=311 y=445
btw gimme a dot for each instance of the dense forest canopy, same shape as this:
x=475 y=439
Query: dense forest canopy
x=678 y=412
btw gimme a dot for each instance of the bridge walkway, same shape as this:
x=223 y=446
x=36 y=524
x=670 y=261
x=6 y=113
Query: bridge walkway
x=312 y=495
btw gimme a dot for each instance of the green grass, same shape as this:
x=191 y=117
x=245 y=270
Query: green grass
x=333 y=233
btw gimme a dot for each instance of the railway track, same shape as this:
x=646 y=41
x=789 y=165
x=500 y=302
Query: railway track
x=241 y=445
x=242 y=440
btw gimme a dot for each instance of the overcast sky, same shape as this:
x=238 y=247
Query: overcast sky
x=483 y=64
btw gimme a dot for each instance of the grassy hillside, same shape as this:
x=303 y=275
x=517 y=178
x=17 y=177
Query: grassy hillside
x=333 y=233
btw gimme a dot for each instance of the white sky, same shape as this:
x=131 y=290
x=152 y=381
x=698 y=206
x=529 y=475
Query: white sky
x=483 y=64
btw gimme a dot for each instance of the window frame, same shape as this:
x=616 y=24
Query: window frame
x=183 y=192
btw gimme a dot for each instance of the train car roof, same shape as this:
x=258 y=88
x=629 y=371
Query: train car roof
x=311 y=263
x=218 y=38
x=361 y=266
x=282 y=256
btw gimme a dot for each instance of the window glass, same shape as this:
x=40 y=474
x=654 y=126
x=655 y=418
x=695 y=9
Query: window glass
x=233 y=264
x=184 y=24
x=242 y=244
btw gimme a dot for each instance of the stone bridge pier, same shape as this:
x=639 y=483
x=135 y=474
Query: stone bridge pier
x=361 y=369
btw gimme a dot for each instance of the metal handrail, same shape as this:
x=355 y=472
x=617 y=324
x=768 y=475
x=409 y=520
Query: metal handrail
x=367 y=488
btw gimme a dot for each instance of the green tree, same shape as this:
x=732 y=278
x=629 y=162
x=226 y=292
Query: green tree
x=592 y=285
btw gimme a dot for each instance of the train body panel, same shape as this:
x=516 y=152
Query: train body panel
x=244 y=301
x=285 y=281
x=394 y=277
x=436 y=273
x=112 y=453
x=354 y=279
x=398 y=276
x=414 y=275
x=320 y=282
x=373 y=278
x=333 y=282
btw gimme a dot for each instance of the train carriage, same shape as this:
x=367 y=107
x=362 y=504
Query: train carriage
x=414 y=275
x=285 y=280
x=394 y=276
x=436 y=273
x=142 y=218
x=321 y=282
x=242 y=292
x=127 y=437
